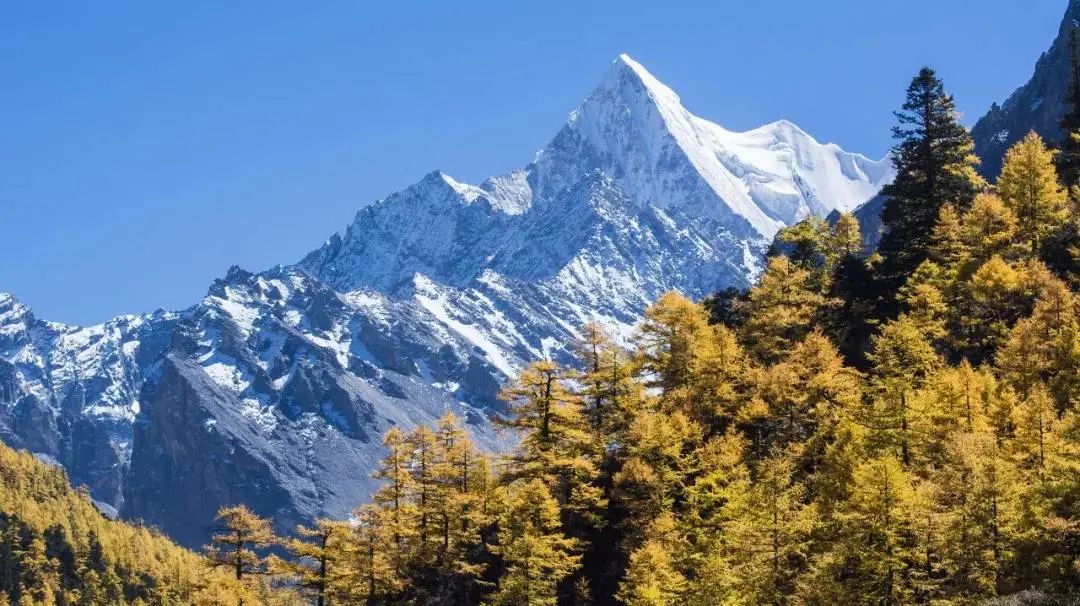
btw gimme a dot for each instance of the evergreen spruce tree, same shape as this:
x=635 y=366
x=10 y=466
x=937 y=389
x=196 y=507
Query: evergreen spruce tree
x=935 y=166
x=726 y=307
x=1061 y=251
x=854 y=285
x=743 y=461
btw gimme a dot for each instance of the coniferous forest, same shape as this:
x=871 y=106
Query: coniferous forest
x=899 y=426
x=56 y=548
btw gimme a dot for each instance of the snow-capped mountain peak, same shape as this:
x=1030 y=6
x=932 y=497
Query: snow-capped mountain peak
x=634 y=195
x=626 y=71
x=635 y=128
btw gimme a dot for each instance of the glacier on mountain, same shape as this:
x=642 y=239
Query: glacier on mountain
x=275 y=388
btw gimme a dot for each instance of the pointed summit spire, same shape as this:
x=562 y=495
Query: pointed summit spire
x=635 y=129
x=627 y=76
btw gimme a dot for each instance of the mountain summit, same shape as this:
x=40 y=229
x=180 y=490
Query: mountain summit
x=636 y=129
x=633 y=130
x=273 y=390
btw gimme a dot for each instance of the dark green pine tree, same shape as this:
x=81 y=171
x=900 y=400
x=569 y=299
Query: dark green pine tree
x=1068 y=159
x=935 y=165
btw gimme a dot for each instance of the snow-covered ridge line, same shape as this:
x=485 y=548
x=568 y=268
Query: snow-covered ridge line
x=633 y=129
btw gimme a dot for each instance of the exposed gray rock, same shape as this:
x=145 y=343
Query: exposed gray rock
x=1036 y=106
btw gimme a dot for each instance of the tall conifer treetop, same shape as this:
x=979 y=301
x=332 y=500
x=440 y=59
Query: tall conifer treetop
x=935 y=166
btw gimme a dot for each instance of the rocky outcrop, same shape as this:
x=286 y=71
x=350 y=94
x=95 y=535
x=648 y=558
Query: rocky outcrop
x=1036 y=106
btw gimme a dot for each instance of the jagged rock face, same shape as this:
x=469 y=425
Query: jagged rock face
x=276 y=388
x=1036 y=106
x=72 y=393
x=1039 y=105
x=276 y=391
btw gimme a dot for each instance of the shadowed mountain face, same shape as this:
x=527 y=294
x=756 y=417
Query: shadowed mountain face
x=1036 y=106
x=274 y=390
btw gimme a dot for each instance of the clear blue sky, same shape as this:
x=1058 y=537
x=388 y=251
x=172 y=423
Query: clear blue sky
x=147 y=146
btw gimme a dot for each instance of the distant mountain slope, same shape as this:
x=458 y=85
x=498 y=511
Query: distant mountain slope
x=633 y=197
x=1038 y=105
x=274 y=389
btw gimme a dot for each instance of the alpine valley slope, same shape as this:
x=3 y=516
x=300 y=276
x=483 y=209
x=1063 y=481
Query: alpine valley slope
x=274 y=389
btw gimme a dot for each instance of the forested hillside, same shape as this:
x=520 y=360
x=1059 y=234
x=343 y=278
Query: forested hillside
x=57 y=549
x=898 y=427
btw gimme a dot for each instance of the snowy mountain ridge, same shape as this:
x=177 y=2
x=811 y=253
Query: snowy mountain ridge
x=275 y=388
